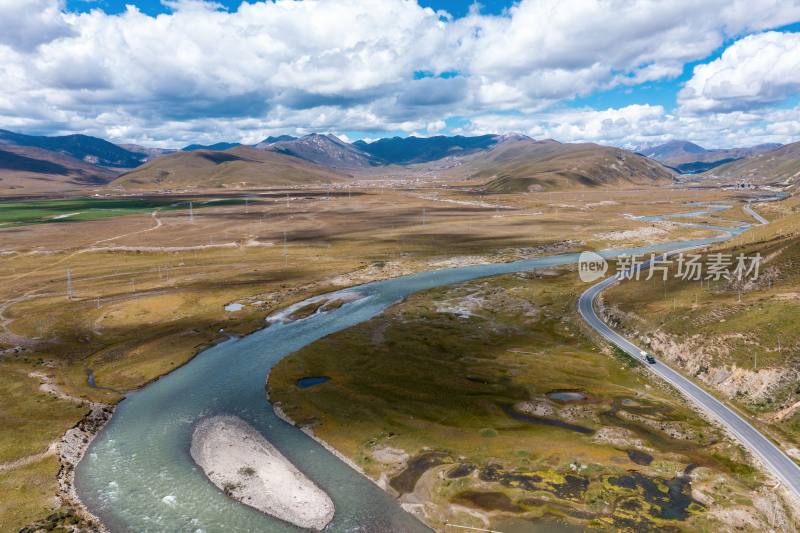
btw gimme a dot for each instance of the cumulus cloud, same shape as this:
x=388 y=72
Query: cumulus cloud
x=636 y=125
x=554 y=49
x=25 y=25
x=756 y=70
x=201 y=73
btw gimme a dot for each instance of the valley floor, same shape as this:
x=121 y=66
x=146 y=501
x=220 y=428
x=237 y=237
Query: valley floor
x=147 y=291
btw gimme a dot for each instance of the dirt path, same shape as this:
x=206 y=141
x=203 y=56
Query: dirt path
x=5 y=333
x=30 y=459
x=90 y=247
x=48 y=387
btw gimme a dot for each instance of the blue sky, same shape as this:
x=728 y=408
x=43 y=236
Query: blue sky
x=457 y=8
x=718 y=72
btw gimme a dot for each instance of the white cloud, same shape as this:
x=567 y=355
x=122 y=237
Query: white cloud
x=24 y=25
x=555 y=49
x=636 y=125
x=200 y=73
x=758 y=69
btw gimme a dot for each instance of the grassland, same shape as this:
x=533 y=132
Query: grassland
x=447 y=400
x=149 y=288
x=69 y=210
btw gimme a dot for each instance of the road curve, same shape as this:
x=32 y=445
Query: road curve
x=773 y=458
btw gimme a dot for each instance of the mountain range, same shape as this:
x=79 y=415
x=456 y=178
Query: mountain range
x=92 y=150
x=409 y=150
x=778 y=167
x=494 y=163
x=689 y=158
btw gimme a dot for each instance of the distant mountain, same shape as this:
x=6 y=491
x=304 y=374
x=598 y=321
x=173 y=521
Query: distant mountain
x=239 y=167
x=89 y=149
x=689 y=158
x=779 y=166
x=673 y=150
x=148 y=151
x=31 y=170
x=408 y=150
x=522 y=165
x=217 y=146
x=326 y=150
x=273 y=140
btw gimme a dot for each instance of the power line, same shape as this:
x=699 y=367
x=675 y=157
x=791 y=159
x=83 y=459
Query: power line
x=70 y=290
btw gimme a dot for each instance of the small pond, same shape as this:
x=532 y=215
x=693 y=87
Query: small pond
x=566 y=396
x=310 y=381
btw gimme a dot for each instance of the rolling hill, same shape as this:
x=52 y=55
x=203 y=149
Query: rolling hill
x=28 y=170
x=522 y=165
x=779 y=167
x=239 y=167
x=689 y=158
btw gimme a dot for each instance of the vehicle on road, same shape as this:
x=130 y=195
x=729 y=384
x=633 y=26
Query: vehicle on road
x=649 y=358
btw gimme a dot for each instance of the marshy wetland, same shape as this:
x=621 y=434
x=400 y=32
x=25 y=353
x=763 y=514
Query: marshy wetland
x=513 y=415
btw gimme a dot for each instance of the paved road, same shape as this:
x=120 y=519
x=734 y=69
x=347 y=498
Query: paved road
x=778 y=463
x=748 y=209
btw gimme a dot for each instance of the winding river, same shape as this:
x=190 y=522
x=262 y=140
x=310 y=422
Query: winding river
x=138 y=476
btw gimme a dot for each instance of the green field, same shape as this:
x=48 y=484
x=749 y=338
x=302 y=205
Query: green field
x=83 y=209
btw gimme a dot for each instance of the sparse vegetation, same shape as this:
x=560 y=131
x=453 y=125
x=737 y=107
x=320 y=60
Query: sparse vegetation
x=150 y=291
x=248 y=471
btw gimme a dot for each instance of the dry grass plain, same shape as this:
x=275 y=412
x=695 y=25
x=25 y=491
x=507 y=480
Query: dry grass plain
x=149 y=289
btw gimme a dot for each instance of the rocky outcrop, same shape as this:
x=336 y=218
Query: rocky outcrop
x=71 y=449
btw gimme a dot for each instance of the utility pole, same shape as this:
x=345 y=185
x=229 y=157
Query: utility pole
x=423 y=216
x=70 y=292
x=285 y=250
x=191 y=213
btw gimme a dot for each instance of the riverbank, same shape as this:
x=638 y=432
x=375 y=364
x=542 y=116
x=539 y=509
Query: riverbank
x=242 y=463
x=71 y=449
